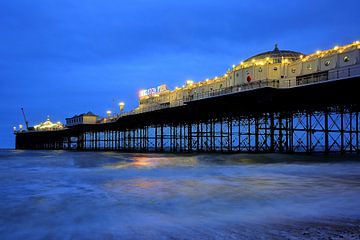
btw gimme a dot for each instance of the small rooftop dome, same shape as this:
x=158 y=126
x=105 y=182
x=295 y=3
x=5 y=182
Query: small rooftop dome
x=276 y=55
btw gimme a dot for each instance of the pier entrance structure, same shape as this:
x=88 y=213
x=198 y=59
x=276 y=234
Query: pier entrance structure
x=312 y=105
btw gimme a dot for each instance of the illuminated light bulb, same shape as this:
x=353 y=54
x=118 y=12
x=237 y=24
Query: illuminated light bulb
x=336 y=47
x=189 y=82
x=318 y=52
x=301 y=56
x=108 y=113
x=242 y=63
x=121 y=106
x=233 y=66
x=206 y=80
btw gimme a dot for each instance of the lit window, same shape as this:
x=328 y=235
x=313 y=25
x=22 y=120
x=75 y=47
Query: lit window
x=346 y=59
x=327 y=63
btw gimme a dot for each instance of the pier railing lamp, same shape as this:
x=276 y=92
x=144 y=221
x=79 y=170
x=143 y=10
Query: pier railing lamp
x=108 y=113
x=121 y=106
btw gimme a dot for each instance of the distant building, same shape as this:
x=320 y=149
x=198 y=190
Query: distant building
x=85 y=118
x=48 y=125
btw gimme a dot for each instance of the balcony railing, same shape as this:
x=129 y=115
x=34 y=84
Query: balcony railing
x=233 y=89
x=347 y=72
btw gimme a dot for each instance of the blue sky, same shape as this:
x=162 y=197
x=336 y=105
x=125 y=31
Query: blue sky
x=59 y=58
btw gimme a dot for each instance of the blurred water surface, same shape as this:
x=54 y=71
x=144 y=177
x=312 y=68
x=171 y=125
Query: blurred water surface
x=87 y=195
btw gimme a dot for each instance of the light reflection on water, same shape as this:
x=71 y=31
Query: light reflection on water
x=153 y=161
x=153 y=196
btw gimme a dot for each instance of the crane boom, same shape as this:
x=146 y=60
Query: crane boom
x=26 y=122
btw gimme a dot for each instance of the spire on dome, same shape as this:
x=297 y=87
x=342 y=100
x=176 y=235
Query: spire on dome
x=276 y=47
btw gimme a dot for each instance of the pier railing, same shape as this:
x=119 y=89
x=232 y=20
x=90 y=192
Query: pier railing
x=234 y=89
x=338 y=74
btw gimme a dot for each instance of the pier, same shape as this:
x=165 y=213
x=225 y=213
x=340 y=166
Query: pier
x=313 y=113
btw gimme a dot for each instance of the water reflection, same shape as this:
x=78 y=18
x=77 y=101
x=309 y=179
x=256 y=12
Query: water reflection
x=153 y=160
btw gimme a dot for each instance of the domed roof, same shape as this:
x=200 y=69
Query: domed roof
x=48 y=125
x=276 y=54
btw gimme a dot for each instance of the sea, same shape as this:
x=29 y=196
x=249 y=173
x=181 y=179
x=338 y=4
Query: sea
x=111 y=195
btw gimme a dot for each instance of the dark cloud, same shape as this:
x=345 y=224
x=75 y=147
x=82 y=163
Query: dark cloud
x=64 y=57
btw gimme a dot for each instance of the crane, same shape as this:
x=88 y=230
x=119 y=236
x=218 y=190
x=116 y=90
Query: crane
x=26 y=122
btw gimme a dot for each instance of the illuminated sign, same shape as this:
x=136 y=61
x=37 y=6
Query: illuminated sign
x=151 y=91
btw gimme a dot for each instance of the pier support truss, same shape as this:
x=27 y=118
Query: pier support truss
x=334 y=129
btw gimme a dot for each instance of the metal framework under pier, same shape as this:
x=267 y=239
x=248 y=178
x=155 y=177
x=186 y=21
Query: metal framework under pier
x=331 y=130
